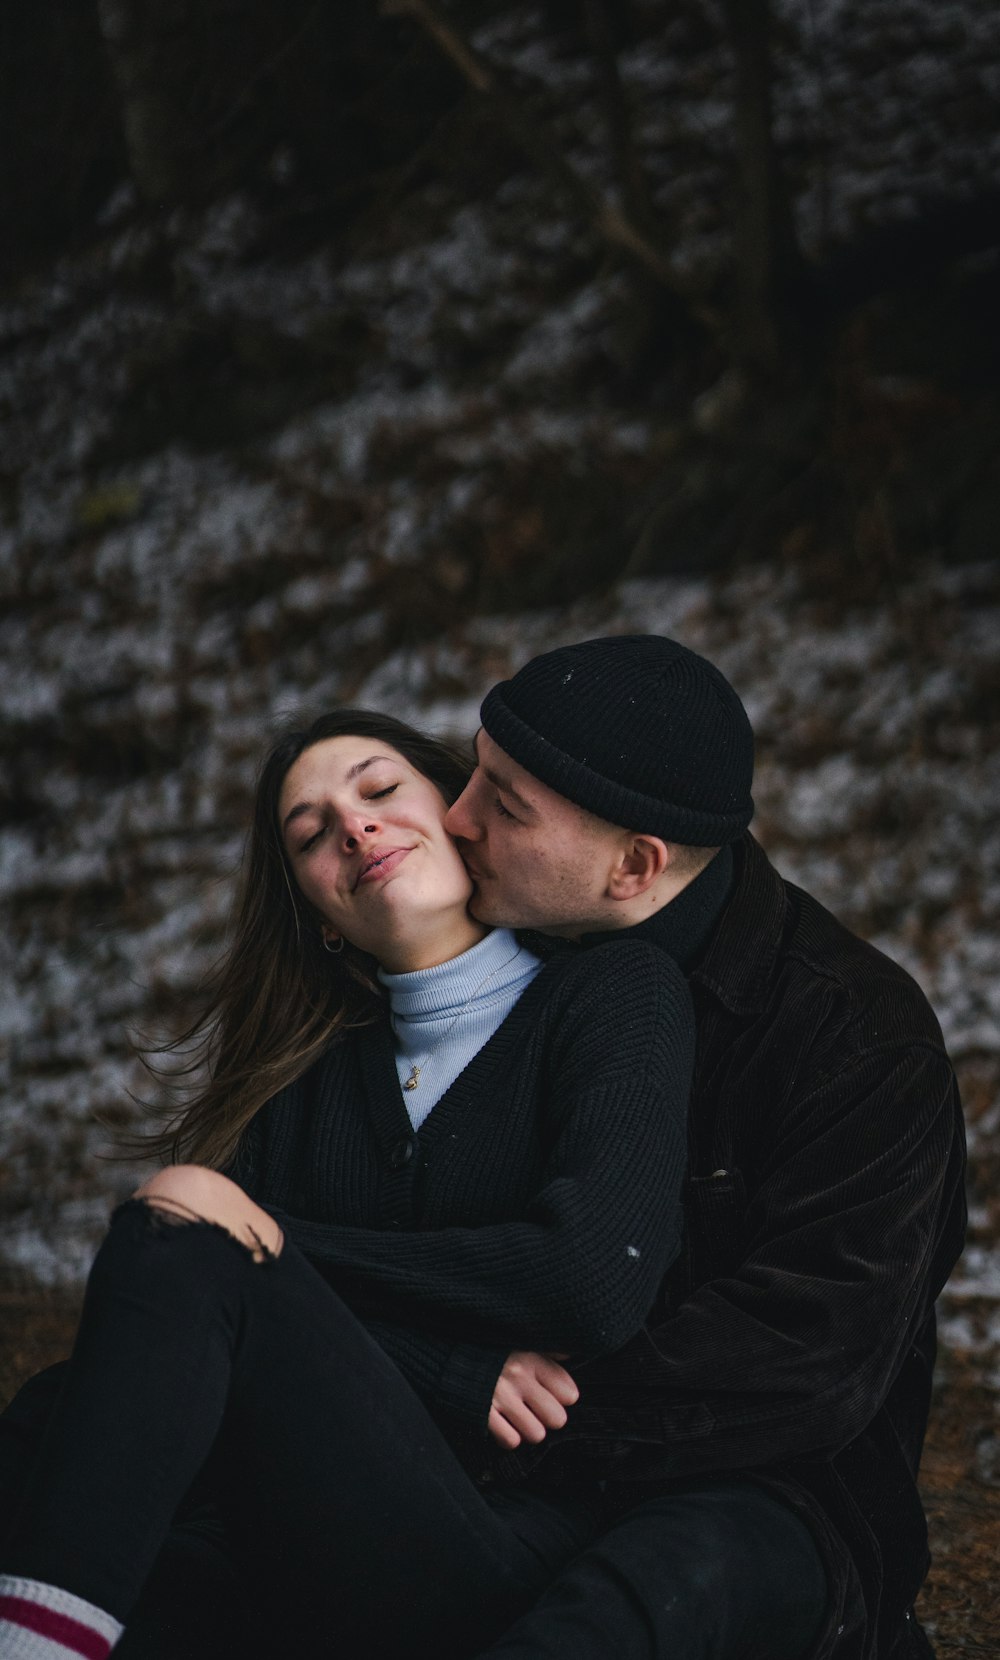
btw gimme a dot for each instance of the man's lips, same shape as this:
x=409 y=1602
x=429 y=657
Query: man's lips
x=380 y=862
x=476 y=872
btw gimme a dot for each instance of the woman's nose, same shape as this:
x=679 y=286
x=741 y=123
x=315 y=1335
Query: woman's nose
x=354 y=827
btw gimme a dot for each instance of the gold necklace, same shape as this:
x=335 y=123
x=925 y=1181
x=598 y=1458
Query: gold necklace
x=417 y=1068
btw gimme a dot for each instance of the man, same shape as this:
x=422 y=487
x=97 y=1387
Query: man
x=761 y=1437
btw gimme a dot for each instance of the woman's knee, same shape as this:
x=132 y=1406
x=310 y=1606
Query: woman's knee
x=194 y=1193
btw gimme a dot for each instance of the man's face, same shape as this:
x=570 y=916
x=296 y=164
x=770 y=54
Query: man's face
x=536 y=859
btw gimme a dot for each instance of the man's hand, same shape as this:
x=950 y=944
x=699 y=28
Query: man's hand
x=531 y=1397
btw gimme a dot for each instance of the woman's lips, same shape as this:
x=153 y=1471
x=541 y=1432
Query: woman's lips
x=381 y=864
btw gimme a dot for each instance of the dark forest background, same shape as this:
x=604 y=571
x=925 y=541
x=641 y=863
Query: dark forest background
x=846 y=349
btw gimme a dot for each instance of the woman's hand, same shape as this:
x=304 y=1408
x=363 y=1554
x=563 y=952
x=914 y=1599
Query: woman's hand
x=531 y=1397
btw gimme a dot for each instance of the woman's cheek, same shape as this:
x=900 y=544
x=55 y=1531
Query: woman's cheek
x=318 y=887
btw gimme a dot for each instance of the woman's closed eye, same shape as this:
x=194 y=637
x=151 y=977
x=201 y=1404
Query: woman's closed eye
x=375 y=795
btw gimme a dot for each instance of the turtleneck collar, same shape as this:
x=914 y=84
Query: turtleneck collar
x=478 y=976
x=441 y=1017
x=684 y=926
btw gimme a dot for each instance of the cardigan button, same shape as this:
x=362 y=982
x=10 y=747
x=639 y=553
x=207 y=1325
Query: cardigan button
x=403 y=1152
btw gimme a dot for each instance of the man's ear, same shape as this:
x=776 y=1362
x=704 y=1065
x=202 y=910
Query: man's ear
x=640 y=863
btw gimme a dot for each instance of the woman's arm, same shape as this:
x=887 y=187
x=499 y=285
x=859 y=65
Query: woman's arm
x=578 y=1271
x=790 y=1349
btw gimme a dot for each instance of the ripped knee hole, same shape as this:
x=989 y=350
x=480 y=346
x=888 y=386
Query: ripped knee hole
x=173 y=1213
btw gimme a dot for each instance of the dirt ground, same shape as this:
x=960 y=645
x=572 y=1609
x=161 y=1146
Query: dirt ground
x=960 y=1476
x=960 y=1479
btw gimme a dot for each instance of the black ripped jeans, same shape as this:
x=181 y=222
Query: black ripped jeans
x=338 y=1521
x=357 y=1528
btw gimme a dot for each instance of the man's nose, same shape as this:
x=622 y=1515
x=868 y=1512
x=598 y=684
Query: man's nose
x=459 y=820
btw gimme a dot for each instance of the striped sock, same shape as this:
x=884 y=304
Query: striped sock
x=41 y=1622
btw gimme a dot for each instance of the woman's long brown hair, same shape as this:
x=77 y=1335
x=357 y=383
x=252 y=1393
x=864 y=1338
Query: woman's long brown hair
x=277 y=998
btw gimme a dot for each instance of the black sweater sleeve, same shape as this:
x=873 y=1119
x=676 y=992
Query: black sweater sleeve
x=577 y=1273
x=457 y=1379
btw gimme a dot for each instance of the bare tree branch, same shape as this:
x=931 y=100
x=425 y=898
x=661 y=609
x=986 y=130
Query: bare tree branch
x=248 y=91
x=610 y=222
x=768 y=262
x=627 y=162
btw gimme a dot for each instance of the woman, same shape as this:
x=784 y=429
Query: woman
x=485 y=1162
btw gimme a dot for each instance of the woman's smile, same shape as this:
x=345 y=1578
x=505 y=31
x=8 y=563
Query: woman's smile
x=351 y=815
x=381 y=861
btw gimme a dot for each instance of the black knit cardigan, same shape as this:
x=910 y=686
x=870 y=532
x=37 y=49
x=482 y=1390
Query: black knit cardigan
x=537 y=1207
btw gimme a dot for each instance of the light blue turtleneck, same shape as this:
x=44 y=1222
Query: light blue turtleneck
x=442 y=1016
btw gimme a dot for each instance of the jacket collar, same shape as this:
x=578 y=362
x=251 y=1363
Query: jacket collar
x=739 y=963
x=724 y=929
x=684 y=927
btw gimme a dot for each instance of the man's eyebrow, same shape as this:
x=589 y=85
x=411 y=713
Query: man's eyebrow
x=310 y=806
x=498 y=780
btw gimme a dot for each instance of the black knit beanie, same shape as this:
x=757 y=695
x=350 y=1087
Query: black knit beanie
x=636 y=729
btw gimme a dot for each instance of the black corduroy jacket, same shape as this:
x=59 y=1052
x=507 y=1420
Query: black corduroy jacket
x=794 y=1337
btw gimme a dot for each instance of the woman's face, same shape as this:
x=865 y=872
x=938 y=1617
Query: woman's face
x=364 y=835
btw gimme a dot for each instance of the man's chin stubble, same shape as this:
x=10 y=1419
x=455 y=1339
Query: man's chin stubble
x=482 y=913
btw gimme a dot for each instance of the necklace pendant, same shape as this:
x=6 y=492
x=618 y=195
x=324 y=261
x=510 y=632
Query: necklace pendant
x=414 y=1078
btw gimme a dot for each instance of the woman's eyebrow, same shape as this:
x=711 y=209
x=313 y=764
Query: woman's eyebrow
x=359 y=766
x=351 y=773
x=297 y=812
